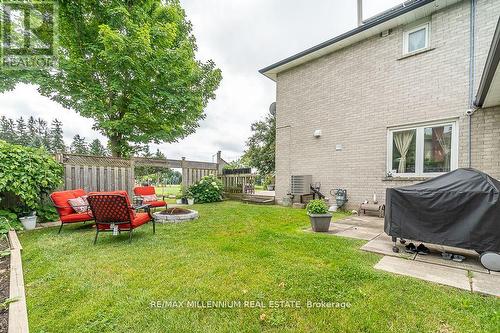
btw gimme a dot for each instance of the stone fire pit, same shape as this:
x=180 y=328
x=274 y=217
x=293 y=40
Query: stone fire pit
x=175 y=215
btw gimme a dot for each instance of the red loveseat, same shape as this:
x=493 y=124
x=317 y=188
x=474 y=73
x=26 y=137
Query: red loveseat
x=142 y=191
x=114 y=209
x=66 y=213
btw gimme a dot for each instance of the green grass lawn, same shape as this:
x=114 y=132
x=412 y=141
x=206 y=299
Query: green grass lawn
x=233 y=252
x=168 y=190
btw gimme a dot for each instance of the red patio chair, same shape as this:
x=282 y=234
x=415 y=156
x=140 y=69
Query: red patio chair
x=66 y=213
x=113 y=210
x=144 y=191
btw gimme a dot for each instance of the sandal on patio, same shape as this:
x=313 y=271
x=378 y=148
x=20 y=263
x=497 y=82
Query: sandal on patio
x=446 y=256
x=410 y=248
x=422 y=249
x=458 y=258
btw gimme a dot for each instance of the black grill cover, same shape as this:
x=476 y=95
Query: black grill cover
x=460 y=208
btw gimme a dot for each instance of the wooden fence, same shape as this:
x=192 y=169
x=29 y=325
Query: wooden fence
x=94 y=173
x=97 y=173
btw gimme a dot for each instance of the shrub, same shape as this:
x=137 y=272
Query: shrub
x=27 y=173
x=208 y=189
x=317 y=207
x=8 y=221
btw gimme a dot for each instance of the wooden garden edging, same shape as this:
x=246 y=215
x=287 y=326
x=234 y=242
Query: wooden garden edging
x=18 y=313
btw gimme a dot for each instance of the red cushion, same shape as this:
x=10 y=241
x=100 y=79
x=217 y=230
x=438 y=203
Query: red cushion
x=158 y=203
x=61 y=199
x=144 y=190
x=140 y=219
x=73 y=218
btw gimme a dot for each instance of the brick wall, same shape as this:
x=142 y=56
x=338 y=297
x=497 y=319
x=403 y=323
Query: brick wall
x=354 y=94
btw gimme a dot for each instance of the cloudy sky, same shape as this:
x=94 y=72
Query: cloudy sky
x=241 y=36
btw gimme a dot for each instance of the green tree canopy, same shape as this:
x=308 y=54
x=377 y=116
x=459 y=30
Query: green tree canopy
x=57 y=140
x=79 y=145
x=131 y=67
x=261 y=146
x=96 y=148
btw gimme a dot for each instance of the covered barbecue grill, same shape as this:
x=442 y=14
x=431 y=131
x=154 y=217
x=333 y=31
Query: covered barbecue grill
x=460 y=208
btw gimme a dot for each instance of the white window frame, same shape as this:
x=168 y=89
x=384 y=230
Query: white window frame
x=406 y=39
x=419 y=151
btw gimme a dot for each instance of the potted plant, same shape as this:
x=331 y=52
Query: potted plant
x=319 y=215
x=190 y=199
x=29 y=222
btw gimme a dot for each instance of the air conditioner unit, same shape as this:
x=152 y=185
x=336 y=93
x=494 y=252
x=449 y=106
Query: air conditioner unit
x=301 y=184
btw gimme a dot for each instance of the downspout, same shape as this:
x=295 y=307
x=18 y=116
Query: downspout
x=472 y=52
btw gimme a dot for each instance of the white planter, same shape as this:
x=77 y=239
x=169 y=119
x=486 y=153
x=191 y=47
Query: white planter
x=28 y=222
x=190 y=201
x=179 y=201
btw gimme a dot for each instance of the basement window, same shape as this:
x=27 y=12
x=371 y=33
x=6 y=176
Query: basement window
x=425 y=150
x=416 y=39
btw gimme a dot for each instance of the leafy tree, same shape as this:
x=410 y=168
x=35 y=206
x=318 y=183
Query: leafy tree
x=237 y=164
x=79 y=145
x=97 y=149
x=160 y=155
x=57 y=141
x=131 y=67
x=261 y=146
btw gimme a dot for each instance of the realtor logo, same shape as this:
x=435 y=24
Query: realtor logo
x=28 y=34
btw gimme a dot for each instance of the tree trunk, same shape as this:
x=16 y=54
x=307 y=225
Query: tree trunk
x=115 y=145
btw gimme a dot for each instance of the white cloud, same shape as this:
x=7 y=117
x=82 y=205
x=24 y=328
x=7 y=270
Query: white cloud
x=241 y=37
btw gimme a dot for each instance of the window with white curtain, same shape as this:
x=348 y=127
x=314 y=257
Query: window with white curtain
x=416 y=39
x=424 y=150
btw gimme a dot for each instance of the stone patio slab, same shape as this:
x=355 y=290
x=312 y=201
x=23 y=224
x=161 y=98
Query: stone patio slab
x=360 y=233
x=470 y=263
x=448 y=276
x=340 y=226
x=364 y=221
x=486 y=283
x=382 y=244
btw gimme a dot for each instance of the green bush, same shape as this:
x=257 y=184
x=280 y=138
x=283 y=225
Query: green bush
x=317 y=207
x=27 y=173
x=8 y=221
x=208 y=189
x=47 y=214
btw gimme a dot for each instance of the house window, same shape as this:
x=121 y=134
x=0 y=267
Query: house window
x=416 y=39
x=423 y=150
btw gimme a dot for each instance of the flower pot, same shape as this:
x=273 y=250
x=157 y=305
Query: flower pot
x=28 y=222
x=190 y=201
x=184 y=201
x=270 y=187
x=320 y=222
x=178 y=201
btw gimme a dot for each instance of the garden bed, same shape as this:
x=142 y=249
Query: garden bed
x=4 y=285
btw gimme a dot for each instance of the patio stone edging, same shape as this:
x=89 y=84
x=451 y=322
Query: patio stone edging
x=18 y=312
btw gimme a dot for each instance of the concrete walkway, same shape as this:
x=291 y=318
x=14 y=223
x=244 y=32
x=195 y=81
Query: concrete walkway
x=468 y=275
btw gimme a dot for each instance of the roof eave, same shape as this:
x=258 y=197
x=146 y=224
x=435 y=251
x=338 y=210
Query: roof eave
x=370 y=23
x=490 y=69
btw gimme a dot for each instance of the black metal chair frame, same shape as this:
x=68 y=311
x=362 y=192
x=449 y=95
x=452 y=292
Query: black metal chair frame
x=146 y=208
